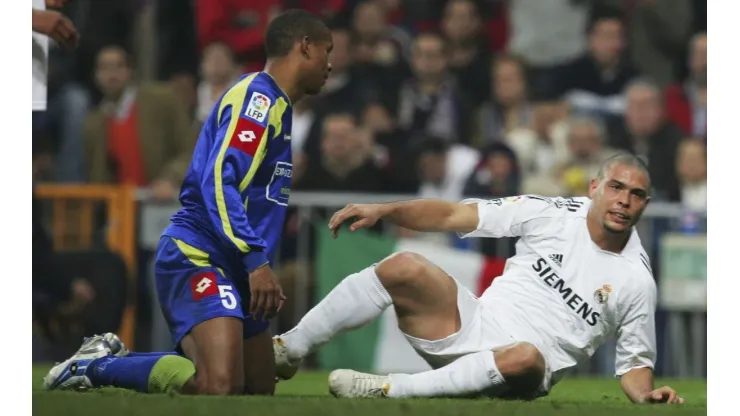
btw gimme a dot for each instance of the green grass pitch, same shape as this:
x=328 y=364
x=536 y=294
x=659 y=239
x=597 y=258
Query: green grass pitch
x=307 y=394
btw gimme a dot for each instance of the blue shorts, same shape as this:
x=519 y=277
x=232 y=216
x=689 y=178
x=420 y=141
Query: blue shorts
x=191 y=290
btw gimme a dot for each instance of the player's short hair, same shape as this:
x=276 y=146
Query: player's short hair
x=627 y=159
x=290 y=27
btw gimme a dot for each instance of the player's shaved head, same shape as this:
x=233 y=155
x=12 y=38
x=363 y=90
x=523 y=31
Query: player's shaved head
x=624 y=159
x=291 y=27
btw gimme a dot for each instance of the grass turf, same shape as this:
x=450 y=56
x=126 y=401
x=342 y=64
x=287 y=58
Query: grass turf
x=307 y=394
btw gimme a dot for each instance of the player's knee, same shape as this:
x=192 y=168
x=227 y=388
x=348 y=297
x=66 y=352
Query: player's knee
x=520 y=359
x=219 y=383
x=401 y=269
x=523 y=367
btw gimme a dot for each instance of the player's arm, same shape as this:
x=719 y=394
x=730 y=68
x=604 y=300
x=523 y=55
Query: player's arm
x=235 y=154
x=493 y=218
x=636 y=351
x=418 y=215
x=238 y=150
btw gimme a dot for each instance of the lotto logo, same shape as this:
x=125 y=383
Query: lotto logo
x=247 y=136
x=203 y=285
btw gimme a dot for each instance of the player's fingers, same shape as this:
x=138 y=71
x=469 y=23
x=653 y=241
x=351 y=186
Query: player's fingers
x=681 y=400
x=338 y=218
x=270 y=303
x=363 y=223
x=259 y=310
x=252 y=300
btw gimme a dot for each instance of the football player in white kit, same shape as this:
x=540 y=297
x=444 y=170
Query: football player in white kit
x=579 y=276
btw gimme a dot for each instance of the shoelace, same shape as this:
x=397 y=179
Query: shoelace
x=367 y=386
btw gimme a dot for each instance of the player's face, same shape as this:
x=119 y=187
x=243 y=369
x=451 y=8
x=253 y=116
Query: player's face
x=319 y=66
x=620 y=198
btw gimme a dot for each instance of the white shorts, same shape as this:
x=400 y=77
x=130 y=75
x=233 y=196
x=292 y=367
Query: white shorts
x=480 y=330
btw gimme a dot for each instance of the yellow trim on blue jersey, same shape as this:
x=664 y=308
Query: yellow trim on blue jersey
x=235 y=97
x=274 y=120
x=196 y=256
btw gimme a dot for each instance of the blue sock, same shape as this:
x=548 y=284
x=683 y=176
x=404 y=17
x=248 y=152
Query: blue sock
x=142 y=372
x=150 y=354
x=125 y=372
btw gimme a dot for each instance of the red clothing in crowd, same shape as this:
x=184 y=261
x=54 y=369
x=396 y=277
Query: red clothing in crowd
x=678 y=108
x=241 y=24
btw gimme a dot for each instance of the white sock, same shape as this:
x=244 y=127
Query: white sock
x=354 y=302
x=468 y=375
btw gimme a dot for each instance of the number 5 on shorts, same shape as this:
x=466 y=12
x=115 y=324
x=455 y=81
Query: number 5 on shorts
x=227 y=296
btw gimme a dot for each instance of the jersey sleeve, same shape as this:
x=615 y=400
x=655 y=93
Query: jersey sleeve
x=239 y=147
x=505 y=217
x=636 y=346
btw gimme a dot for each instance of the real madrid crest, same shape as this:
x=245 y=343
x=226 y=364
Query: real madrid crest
x=602 y=294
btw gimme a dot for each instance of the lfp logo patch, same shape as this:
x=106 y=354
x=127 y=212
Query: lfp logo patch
x=259 y=105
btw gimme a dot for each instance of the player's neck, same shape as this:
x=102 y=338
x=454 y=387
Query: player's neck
x=285 y=77
x=605 y=240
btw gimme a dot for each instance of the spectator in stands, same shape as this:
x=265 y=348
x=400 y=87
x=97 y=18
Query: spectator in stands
x=586 y=145
x=547 y=35
x=692 y=174
x=219 y=71
x=241 y=24
x=443 y=168
x=392 y=150
x=646 y=133
x=376 y=40
x=69 y=83
x=497 y=175
x=657 y=31
x=431 y=102
x=542 y=144
x=469 y=56
x=139 y=135
x=509 y=108
x=345 y=164
x=686 y=103
x=345 y=90
x=595 y=83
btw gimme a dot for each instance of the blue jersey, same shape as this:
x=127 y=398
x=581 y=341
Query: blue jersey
x=235 y=194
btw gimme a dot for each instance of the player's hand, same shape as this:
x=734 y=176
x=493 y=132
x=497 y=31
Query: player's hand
x=56 y=26
x=664 y=394
x=267 y=296
x=363 y=215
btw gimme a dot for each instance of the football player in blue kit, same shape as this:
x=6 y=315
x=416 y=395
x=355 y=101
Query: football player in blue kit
x=213 y=263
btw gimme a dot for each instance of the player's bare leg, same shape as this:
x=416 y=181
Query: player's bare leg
x=423 y=295
x=259 y=365
x=215 y=347
x=514 y=372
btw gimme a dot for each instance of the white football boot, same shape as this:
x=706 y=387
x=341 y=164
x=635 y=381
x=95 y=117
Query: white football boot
x=353 y=384
x=285 y=369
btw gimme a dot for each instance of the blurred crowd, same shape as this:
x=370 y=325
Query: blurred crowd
x=437 y=98
x=442 y=98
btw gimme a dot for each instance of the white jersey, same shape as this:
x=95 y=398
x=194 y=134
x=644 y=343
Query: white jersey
x=564 y=294
x=40 y=56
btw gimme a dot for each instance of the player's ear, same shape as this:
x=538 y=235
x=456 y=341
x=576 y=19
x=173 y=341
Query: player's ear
x=305 y=47
x=593 y=186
